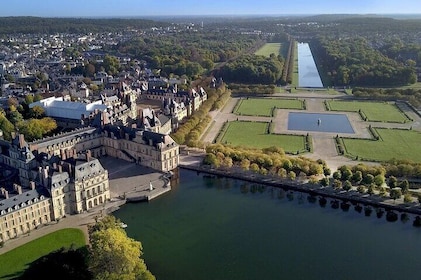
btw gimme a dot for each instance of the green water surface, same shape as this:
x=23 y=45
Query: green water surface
x=209 y=228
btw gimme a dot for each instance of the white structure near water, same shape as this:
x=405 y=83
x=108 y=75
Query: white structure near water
x=308 y=76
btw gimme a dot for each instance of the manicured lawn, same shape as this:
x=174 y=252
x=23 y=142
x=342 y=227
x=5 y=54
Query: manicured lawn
x=394 y=143
x=254 y=134
x=264 y=106
x=14 y=262
x=375 y=111
x=269 y=48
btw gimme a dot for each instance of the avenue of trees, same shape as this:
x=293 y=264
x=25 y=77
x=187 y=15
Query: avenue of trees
x=190 y=131
x=379 y=180
x=412 y=95
x=272 y=161
x=353 y=61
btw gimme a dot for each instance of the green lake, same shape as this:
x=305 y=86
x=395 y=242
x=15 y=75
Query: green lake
x=219 y=228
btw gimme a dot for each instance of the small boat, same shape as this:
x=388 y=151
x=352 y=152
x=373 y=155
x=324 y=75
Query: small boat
x=123 y=225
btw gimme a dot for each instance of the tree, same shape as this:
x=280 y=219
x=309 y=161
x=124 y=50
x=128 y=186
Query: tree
x=90 y=70
x=395 y=193
x=346 y=174
x=379 y=180
x=404 y=185
x=37 y=97
x=407 y=198
x=368 y=179
x=12 y=102
x=113 y=255
x=347 y=185
x=6 y=126
x=36 y=128
x=337 y=184
x=357 y=177
x=29 y=98
x=324 y=181
x=111 y=65
x=15 y=117
x=37 y=112
x=292 y=175
x=337 y=175
x=392 y=182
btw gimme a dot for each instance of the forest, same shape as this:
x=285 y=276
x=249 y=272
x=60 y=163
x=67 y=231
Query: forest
x=38 y=25
x=254 y=69
x=354 y=62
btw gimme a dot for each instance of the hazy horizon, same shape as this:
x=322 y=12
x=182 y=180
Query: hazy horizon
x=167 y=8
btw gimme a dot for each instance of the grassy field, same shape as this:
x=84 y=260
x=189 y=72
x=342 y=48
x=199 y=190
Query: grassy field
x=269 y=48
x=393 y=143
x=16 y=261
x=374 y=111
x=254 y=134
x=264 y=106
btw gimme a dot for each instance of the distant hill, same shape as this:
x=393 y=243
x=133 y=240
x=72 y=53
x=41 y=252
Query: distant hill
x=13 y=25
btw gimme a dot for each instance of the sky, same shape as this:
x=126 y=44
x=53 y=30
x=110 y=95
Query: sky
x=143 y=8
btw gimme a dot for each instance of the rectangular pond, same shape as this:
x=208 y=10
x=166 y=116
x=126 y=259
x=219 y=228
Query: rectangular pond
x=335 y=123
x=308 y=76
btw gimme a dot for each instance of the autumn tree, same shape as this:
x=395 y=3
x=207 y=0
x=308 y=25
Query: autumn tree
x=37 y=112
x=36 y=128
x=6 y=126
x=113 y=255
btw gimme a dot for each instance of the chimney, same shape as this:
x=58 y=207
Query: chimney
x=17 y=188
x=21 y=140
x=88 y=155
x=63 y=154
x=54 y=166
x=60 y=168
x=32 y=185
x=5 y=193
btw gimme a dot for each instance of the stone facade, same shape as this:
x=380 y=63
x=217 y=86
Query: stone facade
x=46 y=180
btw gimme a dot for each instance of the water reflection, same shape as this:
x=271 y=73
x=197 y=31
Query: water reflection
x=216 y=228
x=308 y=76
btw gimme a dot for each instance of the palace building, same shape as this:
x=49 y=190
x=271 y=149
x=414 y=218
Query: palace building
x=45 y=180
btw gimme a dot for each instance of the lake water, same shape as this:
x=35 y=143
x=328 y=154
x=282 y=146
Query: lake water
x=209 y=228
x=308 y=76
x=334 y=123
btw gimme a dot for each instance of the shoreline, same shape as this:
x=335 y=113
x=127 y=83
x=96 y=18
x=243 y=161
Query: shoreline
x=311 y=189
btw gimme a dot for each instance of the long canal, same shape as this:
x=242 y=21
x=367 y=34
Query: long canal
x=308 y=75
